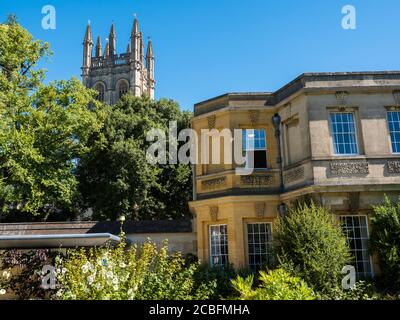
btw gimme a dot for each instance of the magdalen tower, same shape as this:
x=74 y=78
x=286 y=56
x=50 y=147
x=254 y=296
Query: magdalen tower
x=113 y=74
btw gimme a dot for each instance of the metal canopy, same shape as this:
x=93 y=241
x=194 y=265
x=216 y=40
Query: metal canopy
x=57 y=241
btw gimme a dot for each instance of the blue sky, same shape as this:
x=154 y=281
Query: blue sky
x=210 y=47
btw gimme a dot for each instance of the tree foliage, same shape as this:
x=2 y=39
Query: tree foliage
x=385 y=240
x=115 y=178
x=43 y=128
x=312 y=245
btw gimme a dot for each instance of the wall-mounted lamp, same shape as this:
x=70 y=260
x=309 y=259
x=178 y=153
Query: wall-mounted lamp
x=282 y=210
x=276 y=121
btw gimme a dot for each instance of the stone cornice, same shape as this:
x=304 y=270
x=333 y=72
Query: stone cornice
x=308 y=82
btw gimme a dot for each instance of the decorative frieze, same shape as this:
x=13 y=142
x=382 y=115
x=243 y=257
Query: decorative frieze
x=393 y=166
x=294 y=175
x=214 y=213
x=213 y=183
x=260 y=209
x=349 y=168
x=257 y=180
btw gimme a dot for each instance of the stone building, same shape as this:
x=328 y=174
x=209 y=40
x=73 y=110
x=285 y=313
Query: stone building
x=330 y=137
x=112 y=74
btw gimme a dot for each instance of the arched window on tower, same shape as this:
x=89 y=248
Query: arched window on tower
x=100 y=89
x=122 y=88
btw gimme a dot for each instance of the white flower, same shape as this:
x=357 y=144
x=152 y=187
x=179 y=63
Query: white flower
x=115 y=281
x=90 y=280
x=116 y=287
x=131 y=294
x=59 y=293
x=86 y=267
x=97 y=286
x=6 y=274
x=2 y=292
x=122 y=265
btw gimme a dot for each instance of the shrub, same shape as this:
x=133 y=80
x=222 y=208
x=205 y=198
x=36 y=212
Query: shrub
x=274 y=285
x=131 y=273
x=361 y=291
x=221 y=276
x=311 y=245
x=385 y=240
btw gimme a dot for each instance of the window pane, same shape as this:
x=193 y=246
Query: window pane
x=356 y=230
x=259 y=239
x=218 y=245
x=343 y=133
x=394 y=129
x=255 y=145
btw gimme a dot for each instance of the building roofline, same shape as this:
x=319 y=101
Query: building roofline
x=299 y=83
x=234 y=94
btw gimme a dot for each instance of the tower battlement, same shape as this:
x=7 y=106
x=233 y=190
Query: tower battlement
x=113 y=74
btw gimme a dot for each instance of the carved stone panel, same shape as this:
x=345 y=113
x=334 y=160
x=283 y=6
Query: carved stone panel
x=257 y=180
x=349 y=168
x=294 y=175
x=254 y=116
x=260 y=209
x=214 y=213
x=211 y=122
x=214 y=183
x=393 y=166
x=341 y=97
x=354 y=201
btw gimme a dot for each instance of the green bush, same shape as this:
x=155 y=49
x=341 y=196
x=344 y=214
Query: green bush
x=385 y=240
x=311 y=245
x=361 y=291
x=221 y=276
x=131 y=273
x=274 y=285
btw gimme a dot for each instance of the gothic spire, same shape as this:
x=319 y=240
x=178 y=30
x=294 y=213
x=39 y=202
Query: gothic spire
x=135 y=28
x=128 y=49
x=149 y=53
x=99 y=49
x=150 y=68
x=113 y=40
x=88 y=34
x=107 y=50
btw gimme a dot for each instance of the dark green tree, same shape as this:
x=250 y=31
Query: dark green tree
x=43 y=129
x=115 y=178
x=385 y=241
x=311 y=245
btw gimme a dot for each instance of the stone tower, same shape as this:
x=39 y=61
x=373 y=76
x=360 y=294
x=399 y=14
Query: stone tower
x=112 y=74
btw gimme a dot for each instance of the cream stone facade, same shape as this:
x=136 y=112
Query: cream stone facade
x=322 y=116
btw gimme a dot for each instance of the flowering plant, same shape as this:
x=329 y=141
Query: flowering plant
x=128 y=273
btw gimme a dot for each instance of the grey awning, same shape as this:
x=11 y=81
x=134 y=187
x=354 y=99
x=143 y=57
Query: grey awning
x=57 y=241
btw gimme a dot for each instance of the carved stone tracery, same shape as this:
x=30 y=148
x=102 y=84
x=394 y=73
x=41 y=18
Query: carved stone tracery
x=349 y=168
